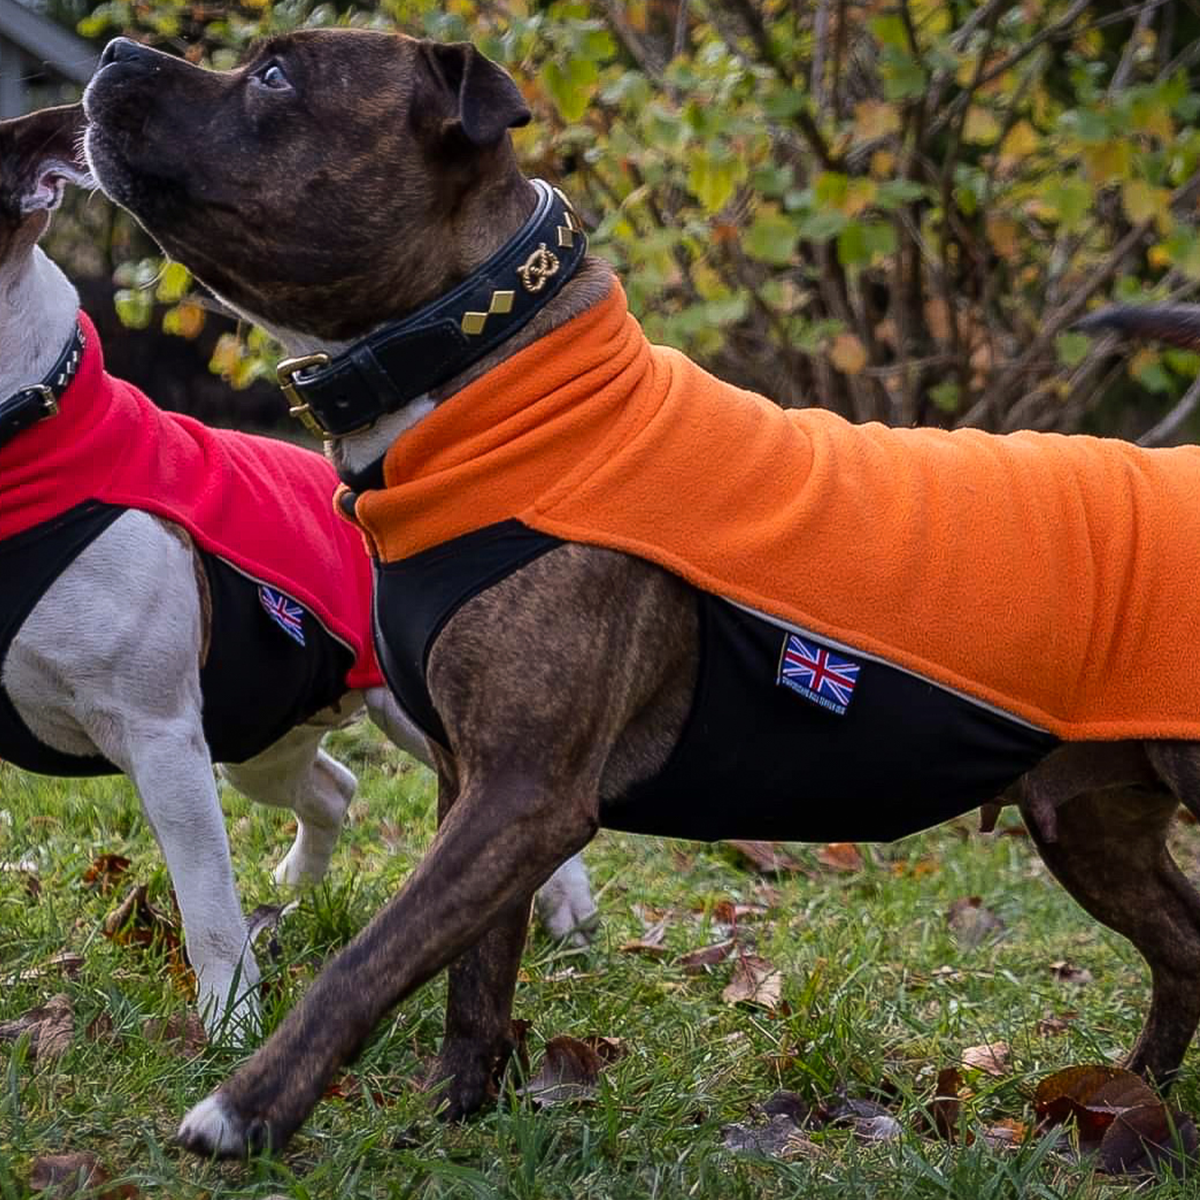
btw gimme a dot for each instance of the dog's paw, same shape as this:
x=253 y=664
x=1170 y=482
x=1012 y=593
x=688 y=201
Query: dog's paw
x=214 y=1130
x=565 y=905
x=301 y=867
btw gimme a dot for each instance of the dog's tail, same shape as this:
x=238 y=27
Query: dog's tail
x=1175 y=324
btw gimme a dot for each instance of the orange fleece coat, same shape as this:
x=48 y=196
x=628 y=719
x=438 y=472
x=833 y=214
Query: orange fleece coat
x=1056 y=578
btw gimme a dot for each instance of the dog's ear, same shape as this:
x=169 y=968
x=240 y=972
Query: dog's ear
x=37 y=151
x=486 y=100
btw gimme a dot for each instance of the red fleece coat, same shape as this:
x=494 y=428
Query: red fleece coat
x=1056 y=578
x=260 y=504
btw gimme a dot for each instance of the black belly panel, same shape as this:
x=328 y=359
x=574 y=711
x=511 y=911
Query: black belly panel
x=257 y=682
x=757 y=758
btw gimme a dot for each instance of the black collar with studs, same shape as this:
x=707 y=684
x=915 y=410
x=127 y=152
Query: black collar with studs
x=399 y=362
x=39 y=401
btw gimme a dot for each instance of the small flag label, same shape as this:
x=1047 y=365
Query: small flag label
x=285 y=612
x=816 y=673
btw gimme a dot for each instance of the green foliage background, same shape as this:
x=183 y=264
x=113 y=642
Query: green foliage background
x=892 y=210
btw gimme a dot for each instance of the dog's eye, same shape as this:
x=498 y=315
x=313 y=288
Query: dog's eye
x=272 y=76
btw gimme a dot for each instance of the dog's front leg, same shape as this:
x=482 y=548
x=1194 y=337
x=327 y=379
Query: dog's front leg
x=501 y=840
x=479 y=996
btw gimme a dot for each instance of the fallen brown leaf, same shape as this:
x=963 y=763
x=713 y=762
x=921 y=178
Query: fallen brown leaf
x=568 y=1072
x=754 y=981
x=694 y=961
x=101 y=1029
x=729 y=912
x=50 y=1027
x=991 y=1058
x=971 y=922
x=75 y=1175
x=651 y=942
x=870 y=1120
x=946 y=1105
x=1118 y=1117
x=1068 y=972
x=105 y=871
x=181 y=1034
x=64 y=963
x=768 y=858
x=779 y=1137
x=1005 y=1132
x=840 y=856
x=136 y=922
x=1050 y=1026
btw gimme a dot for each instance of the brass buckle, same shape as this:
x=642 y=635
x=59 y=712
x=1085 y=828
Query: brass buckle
x=49 y=400
x=285 y=372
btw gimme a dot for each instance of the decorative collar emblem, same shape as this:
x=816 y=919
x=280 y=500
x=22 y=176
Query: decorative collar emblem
x=541 y=265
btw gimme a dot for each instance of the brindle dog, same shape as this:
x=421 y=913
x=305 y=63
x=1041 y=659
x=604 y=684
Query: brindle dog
x=341 y=179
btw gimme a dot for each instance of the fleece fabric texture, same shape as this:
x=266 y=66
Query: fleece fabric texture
x=1056 y=578
x=258 y=503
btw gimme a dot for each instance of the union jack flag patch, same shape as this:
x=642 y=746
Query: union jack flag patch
x=816 y=673
x=286 y=613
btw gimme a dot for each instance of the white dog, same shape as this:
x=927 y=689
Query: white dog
x=144 y=620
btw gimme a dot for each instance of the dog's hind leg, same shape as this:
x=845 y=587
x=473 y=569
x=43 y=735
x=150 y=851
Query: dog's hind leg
x=1110 y=853
x=296 y=773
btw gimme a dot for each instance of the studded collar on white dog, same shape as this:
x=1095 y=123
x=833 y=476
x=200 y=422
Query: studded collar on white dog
x=40 y=401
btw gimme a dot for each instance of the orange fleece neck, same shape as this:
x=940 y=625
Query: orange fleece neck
x=1055 y=578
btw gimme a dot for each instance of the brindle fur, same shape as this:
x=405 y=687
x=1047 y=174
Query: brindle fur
x=572 y=678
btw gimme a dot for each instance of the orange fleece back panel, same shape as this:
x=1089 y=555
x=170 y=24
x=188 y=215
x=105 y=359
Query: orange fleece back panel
x=1057 y=578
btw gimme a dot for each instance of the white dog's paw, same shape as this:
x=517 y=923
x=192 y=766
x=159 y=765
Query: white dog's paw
x=213 y=1129
x=565 y=905
x=301 y=867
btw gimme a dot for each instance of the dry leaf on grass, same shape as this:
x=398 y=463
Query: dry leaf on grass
x=971 y=922
x=946 y=1106
x=181 y=1034
x=1055 y=1023
x=768 y=858
x=1005 y=1133
x=569 y=1071
x=104 y=872
x=1119 y=1118
x=870 y=1120
x=991 y=1058
x=651 y=942
x=1068 y=972
x=778 y=1134
x=136 y=922
x=840 y=856
x=694 y=961
x=50 y=1027
x=730 y=912
x=779 y=1137
x=78 y=1174
x=754 y=981
x=63 y=963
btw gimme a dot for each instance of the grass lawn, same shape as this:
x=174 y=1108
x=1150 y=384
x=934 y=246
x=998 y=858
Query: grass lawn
x=879 y=993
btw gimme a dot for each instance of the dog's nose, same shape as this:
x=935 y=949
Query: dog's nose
x=122 y=49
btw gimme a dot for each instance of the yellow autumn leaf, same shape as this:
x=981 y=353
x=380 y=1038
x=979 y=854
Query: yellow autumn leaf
x=1019 y=143
x=883 y=163
x=875 y=119
x=860 y=195
x=848 y=354
x=1107 y=161
x=1005 y=236
x=1145 y=202
x=980 y=127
